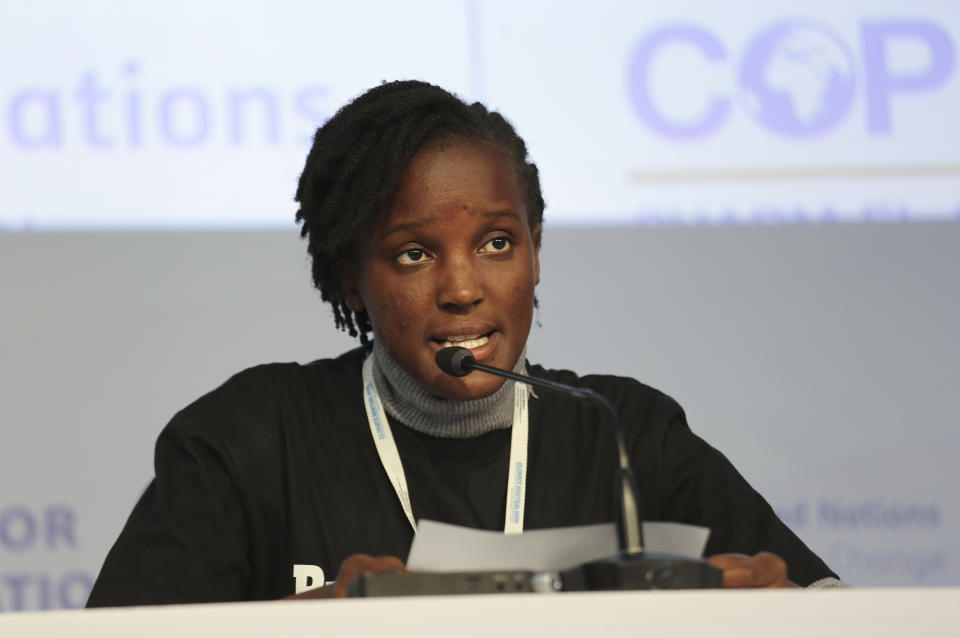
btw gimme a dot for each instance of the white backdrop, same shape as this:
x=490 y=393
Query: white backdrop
x=158 y=149
x=163 y=114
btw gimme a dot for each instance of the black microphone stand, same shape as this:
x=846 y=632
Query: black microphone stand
x=632 y=567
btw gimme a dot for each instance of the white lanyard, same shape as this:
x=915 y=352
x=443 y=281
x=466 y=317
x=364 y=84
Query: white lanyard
x=390 y=457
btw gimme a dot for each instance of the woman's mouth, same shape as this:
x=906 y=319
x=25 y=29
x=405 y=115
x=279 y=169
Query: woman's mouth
x=464 y=341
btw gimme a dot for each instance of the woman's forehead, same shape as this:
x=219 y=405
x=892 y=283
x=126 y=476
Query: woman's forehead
x=469 y=175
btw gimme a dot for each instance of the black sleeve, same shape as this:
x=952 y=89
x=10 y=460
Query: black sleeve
x=700 y=486
x=185 y=540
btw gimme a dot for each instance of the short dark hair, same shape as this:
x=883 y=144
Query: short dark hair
x=359 y=158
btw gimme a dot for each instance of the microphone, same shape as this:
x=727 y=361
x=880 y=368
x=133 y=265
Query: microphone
x=455 y=361
x=632 y=568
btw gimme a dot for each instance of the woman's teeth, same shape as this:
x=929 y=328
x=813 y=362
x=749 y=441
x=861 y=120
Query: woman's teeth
x=463 y=342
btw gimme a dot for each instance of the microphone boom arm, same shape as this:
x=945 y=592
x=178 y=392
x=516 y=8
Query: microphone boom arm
x=629 y=529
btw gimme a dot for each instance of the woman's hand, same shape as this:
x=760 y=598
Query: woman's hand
x=761 y=570
x=350 y=568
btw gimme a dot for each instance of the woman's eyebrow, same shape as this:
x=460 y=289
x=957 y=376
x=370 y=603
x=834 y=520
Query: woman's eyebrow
x=399 y=228
x=491 y=214
x=501 y=213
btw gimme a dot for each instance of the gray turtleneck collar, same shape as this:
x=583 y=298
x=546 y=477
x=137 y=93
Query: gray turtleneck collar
x=410 y=402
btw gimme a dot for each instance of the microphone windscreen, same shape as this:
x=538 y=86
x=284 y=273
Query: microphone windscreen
x=454 y=361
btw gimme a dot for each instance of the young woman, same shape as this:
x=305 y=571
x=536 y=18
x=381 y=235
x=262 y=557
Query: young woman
x=423 y=217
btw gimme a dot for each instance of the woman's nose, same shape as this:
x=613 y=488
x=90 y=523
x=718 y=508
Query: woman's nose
x=460 y=286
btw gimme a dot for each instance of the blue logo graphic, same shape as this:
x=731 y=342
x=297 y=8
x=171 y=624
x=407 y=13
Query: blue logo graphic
x=797 y=78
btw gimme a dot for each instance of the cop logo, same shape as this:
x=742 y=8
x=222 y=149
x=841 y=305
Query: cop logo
x=795 y=78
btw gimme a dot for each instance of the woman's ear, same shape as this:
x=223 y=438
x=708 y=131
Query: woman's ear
x=351 y=290
x=536 y=252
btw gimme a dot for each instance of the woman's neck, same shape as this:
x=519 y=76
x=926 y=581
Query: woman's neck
x=413 y=404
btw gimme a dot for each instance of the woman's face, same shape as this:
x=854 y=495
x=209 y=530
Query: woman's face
x=453 y=262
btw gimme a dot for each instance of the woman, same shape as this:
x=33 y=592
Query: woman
x=423 y=217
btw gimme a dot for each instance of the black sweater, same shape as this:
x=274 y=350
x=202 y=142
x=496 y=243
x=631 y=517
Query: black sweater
x=277 y=467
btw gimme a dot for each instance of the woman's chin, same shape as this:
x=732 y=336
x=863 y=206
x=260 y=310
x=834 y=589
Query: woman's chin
x=475 y=386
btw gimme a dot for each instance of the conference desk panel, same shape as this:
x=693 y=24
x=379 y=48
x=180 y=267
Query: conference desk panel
x=807 y=613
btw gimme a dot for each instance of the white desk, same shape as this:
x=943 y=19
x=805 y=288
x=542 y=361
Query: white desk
x=810 y=614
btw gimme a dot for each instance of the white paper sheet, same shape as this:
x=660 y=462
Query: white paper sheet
x=441 y=547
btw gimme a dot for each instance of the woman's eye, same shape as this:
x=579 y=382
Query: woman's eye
x=497 y=245
x=412 y=256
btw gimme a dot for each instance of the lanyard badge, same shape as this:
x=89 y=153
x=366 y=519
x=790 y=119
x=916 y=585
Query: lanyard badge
x=390 y=457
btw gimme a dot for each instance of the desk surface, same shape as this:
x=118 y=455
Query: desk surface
x=873 y=612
